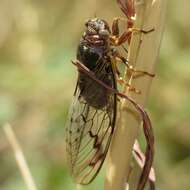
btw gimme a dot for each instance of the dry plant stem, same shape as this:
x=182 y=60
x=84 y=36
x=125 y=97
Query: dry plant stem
x=19 y=156
x=143 y=53
x=140 y=159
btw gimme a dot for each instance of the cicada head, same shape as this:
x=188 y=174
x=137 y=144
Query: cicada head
x=98 y=27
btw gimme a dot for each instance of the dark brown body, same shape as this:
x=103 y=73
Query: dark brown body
x=95 y=95
x=93 y=51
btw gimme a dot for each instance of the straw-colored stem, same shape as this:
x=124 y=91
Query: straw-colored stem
x=143 y=54
x=19 y=156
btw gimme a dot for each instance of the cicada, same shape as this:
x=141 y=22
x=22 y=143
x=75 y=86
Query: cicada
x=93 y=111
x=94 y=107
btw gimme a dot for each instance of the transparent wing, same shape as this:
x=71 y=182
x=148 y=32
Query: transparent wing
x=90 y=128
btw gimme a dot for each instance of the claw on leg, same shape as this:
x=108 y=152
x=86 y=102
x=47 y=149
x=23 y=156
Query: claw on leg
x=120 y=80
x=138 y=73
x=141 y=30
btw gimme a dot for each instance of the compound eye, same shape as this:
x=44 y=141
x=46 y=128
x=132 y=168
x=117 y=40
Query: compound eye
x=104 y=33
x=86 y=24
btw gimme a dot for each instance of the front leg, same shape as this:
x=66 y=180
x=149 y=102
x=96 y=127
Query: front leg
x=126 y=36
x=115 y=25
x=117 y=40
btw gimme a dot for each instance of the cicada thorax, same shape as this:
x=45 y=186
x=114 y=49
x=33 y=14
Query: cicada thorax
x=97 y=60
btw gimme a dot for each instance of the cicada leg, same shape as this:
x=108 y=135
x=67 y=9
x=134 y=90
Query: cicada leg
x=131 y=69
x=141 y=30
x=120 y=80
x=126 y=36
x=117 y=40
x=115 y=25
x=139 y=73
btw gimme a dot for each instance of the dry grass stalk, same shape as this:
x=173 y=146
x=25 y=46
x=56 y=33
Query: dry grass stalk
x=143 y=53
x=19 y=156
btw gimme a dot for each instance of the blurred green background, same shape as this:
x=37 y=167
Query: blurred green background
x=37 y=41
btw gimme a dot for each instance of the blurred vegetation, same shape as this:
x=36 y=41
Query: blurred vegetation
x=37 y=41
